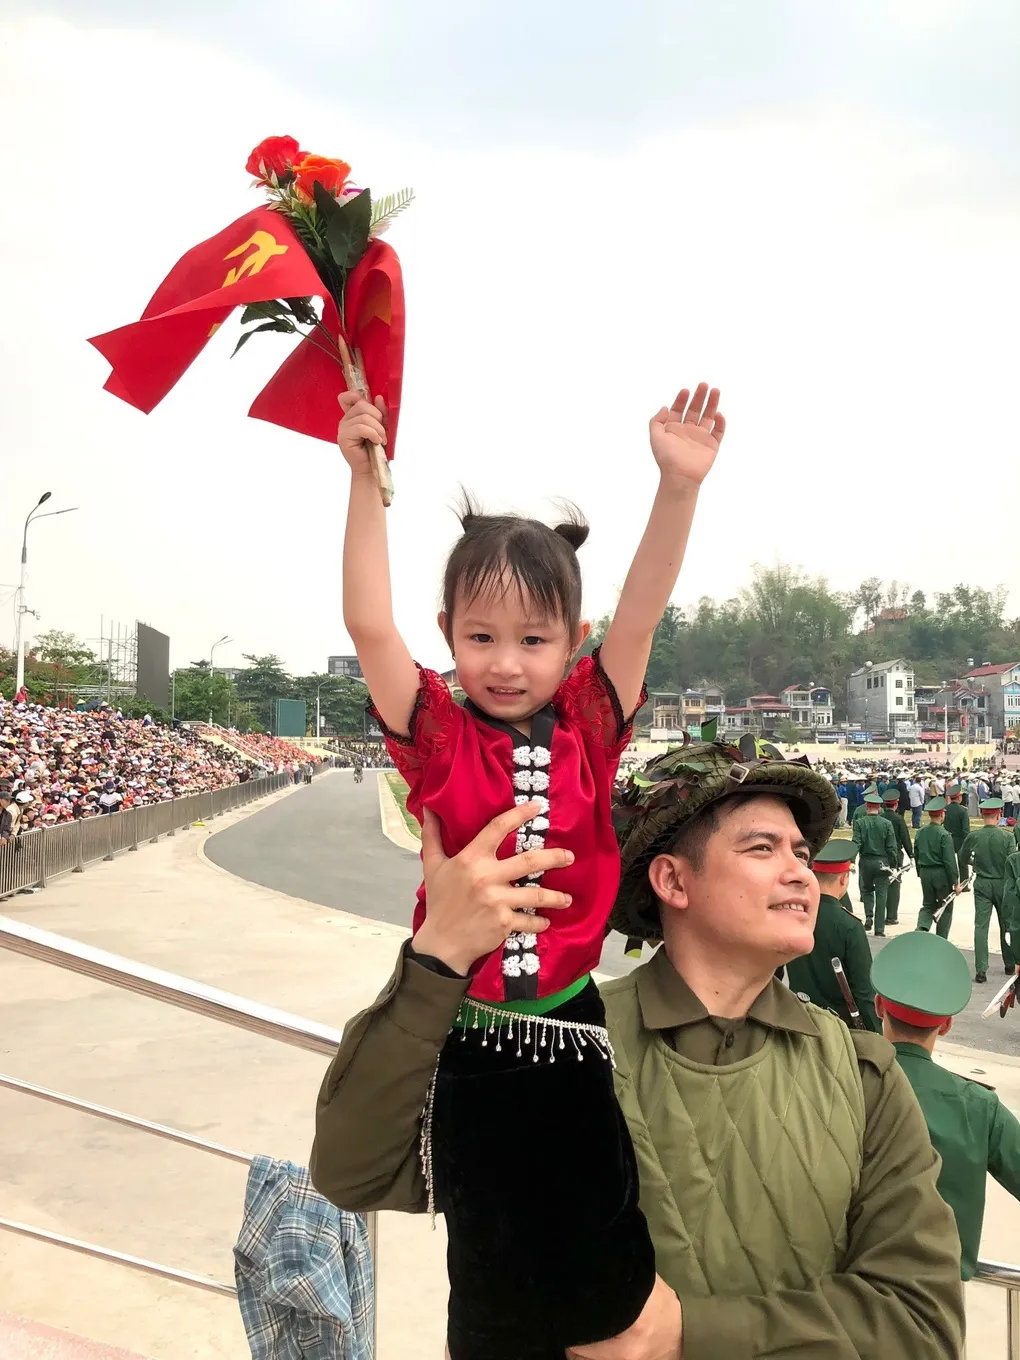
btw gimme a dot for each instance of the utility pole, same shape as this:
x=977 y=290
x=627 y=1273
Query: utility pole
x=21 y=609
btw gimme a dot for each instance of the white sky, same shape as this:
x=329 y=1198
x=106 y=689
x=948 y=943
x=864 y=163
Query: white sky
x=822 y=219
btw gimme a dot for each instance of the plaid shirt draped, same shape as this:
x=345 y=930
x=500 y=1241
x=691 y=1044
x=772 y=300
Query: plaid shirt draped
x=303 y=1270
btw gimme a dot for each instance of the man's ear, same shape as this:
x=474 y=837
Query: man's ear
x=667 y=875
x=946 y=1026
x=879 y=1007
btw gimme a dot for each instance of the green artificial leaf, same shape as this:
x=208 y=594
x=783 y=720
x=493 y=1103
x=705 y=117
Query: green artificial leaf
x=284 y=326
x=260 y=311
x=346 y=226
x=303 y=310
x=389 y=207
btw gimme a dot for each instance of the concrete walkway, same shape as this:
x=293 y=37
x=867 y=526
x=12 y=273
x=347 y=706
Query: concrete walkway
x=171 y=907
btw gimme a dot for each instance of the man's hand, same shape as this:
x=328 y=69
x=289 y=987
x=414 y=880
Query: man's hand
x=686 y=438
x=362 y=420
x=658 y=1334
x=472 y=902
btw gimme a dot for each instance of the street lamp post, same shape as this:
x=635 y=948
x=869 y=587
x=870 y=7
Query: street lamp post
x=212 y=672
x=21 y=609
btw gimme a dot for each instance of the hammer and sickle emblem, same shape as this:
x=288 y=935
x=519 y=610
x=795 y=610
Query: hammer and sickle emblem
x=266 y=247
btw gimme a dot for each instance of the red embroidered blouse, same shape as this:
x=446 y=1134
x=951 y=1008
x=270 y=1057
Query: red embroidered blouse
x=468 y=767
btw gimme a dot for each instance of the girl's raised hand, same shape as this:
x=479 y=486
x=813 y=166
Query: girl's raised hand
x=686 y=437
x=362 y=420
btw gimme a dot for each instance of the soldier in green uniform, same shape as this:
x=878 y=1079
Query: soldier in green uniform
x=861 y=810
x=921 y=983
x=957 y=821
x=936 y=867
x=879 y=852
x=987 y=850
x=1011 y=903
x=838 y=934
x=905 y=845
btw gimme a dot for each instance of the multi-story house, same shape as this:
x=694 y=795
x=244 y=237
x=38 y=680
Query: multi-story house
x=810 y=705
x=963 y=708
x=761 y=713
x=881 y=695
x=1003 y=685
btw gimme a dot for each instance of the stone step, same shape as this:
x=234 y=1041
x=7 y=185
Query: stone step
x=24 y=1340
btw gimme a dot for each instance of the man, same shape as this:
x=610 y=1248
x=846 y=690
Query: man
x=10 y=814
x=937 y=869
x=987 y=850
x=905 y=846
x=922 y=982
x=851 y=1252
x=1011 y=902
x=957 y=821
x=862 y=807
x=876 y=841
x=838 y=935
x=915 y=791
x=841 y=793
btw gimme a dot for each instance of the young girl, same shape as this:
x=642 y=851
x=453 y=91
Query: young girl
x=524 y=1147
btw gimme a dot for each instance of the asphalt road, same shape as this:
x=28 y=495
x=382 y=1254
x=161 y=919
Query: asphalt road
x=324 y=844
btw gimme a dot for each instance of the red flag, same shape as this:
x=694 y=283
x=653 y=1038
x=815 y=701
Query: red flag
x=302 y=394
x=256 y=259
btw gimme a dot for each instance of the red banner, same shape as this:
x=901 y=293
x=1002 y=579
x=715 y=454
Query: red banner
x=256 y=259
x=259 y=258
x=302 y=394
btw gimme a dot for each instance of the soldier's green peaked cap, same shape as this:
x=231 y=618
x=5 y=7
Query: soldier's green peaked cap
x=874 y=799
x=955 y=791
x=836 y=851
x=673 y=788
x=991 y=805
x=935 y=805
x=891 y=797
x=921 y=971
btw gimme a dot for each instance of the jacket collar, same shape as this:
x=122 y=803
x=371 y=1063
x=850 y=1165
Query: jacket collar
x=667 y=1002
x=913 y=1050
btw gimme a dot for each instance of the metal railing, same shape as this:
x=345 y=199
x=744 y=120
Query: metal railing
x=185 y=994
x=251 y=1016
x=39 y=855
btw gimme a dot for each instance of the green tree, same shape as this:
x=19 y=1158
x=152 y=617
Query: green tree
x=261 y=684
x=199 y=695
x=341 y=701
x=788 y=732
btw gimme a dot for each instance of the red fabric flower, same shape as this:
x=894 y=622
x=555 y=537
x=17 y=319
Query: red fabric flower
x=331 y=174
x=274 y=155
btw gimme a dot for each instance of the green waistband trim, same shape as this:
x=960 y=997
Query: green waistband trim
x=541 y=1006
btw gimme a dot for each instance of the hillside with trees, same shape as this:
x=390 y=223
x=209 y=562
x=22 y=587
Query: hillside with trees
x=786 y=627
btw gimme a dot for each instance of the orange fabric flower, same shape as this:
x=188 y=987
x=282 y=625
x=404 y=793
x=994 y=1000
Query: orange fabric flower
x=331 y=174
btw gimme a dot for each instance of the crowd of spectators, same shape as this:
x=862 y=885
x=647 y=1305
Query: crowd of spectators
x=353 y=753
x=274 y=755
x=58 y=765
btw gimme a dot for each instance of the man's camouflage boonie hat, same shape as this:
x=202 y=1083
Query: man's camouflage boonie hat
x=659 y=799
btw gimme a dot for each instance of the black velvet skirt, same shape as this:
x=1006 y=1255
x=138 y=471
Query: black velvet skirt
x=533 y=1168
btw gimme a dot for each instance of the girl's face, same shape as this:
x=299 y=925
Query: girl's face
x=510 y=658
